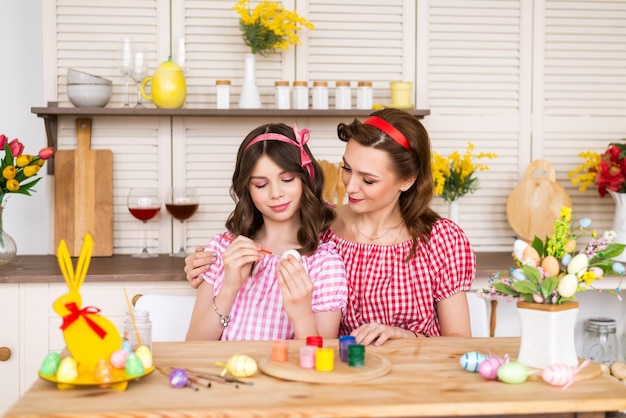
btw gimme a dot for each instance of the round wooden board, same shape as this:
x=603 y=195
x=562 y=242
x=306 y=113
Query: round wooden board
x=375 y=366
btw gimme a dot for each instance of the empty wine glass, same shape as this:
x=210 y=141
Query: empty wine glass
x=126 y=63
x=144 y=204
x=140 y=70
x=181 y=203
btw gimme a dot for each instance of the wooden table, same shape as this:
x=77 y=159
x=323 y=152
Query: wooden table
x=426 y=380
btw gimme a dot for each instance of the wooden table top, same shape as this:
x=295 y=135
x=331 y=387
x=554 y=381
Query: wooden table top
x=426 y=380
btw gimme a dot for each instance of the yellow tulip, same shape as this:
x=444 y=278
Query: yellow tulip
x=13 y=185
x=9 y=172
x=31 y=170
x=23 y=160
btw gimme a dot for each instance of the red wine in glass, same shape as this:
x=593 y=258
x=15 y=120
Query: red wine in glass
x=181 y=202
x=144 y=204
x=144 y=214
x=182 y=212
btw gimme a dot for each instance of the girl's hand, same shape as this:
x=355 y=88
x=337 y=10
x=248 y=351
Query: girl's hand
x=239 y=257
x=379 y=333
x=296 y=288
x=196 y=264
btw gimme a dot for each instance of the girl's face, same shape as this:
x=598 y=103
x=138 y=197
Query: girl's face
x=370 y=183
x=275 y=192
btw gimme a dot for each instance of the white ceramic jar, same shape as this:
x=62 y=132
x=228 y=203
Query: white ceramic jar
x=343 y=95
x=300 y=95
x=222 y=88
x=320 y=95
x=281 y=95
x=364 y=95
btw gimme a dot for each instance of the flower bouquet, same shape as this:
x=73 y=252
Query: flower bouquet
x=607 y=170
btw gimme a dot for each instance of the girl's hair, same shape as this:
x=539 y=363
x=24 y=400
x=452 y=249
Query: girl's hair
x=415 y=161
x=246 y=219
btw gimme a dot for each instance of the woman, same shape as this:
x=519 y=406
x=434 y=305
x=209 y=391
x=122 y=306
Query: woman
x=407 y=268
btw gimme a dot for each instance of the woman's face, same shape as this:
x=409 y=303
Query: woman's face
x=275 y=192
x=370 y=183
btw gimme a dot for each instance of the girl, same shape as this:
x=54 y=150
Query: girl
x=250 y=292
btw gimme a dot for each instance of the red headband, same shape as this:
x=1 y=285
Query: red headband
x=302 y=137
x=389 y=129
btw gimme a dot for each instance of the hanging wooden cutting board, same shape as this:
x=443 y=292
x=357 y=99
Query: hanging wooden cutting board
x=535 y=203
x=83 y=194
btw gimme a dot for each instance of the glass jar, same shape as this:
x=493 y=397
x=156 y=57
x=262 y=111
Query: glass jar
x=343 y=95
x=320 y=95
x=300 y=95
x=281 y=95
x=223 y=94
x=139 y=332
x=364 y=99
x=600 y=342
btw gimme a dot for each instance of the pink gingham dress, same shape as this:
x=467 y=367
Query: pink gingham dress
x=384 y=288
x=258 y=312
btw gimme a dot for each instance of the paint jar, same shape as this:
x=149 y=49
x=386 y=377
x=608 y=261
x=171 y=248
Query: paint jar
x=280 y=351
x=222 y=88
x=138 y=332
x=320 y=95
x=356 y=355
x=281 y=95
x=401 y=92
x=364 y=95
x=315 y=340
x=343 y=95
x=300 y=94
x=324 y=359
x=600 y=341
x=344 y=342
x=307 y=356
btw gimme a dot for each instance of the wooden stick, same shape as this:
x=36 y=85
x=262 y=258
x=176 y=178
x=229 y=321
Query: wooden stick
x=132 y=317
x=263 y=250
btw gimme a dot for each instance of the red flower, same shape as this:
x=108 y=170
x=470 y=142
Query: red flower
x=611 y=174
x=16 y=147
x=46 y=153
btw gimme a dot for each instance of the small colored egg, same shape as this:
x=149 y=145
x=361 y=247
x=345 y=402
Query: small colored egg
x=118 y=359
x=50 y=364
x=558 y=374
x=241 y=365
x=513 y=372
x=597 y=271
x=134 y=366
x=531 y=257
x=103 y=372
x=518 y=249
x=126 y=346
x=489 y=367
x=570 y=246
x=178 y=378
x=566 y=259
x=567 y=285
x=518 y=274
x=584 y=222
x=144 y=354
x=471 y=360
x=578 y=263
x=68 y=370
x=618 y=268
x=550 y=266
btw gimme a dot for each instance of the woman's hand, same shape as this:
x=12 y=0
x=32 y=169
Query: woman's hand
x=196 y=264
x=367 y=333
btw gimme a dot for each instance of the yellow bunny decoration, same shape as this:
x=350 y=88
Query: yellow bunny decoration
x=88 y=335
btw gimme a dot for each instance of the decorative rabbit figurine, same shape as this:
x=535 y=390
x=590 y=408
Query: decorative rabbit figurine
x=89 y=336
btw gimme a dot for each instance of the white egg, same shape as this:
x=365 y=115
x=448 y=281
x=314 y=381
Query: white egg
x=567 y=285
x=292 y=252
x=578 y=264
x=518 y=249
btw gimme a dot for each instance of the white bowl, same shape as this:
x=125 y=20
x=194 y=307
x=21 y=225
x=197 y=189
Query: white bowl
x=81 y=77
x=89 y=95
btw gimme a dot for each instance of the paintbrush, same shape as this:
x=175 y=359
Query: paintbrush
x=263 y=250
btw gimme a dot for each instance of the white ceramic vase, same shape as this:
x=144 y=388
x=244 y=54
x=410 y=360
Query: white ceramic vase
x=250 y=97
x=547 y=334
x=619 y=221
x=453 y=213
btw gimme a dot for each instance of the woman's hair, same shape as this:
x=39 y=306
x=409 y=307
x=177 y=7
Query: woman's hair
x=246 y=219
x=404 y=162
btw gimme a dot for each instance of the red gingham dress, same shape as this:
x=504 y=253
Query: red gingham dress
x=383 y=288
x=258 y=312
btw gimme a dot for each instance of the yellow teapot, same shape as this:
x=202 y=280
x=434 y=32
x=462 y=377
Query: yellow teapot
x=169 y=89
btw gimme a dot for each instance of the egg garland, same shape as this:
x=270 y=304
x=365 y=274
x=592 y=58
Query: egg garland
x=562 y=374
x=489 y=367
x=513 y=373
x=471 y=360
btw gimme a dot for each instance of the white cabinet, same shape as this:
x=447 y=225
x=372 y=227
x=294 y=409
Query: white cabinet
x=9 y=340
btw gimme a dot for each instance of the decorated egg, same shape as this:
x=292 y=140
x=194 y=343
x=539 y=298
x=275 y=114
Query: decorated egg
x=518 y=249
x=118 y=358
x=579 y=262
x=597 y=271
x=558 y=374
x=68 y=370
x=240 y=365
x=292 y=252
x=50 y=364
x=126 y=346
x=518 y=274
x=134 y=366
x=471 y=360
x=567 y=285
x=513 y=372
x=103 y=372
x=178 y=378
x=618 y=268
x=550 y=265
x=489 y=367
x=531 y=257
x=144 y=354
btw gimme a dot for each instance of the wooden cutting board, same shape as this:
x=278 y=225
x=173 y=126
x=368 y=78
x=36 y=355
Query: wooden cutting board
x=535 y=203
x=83 y=194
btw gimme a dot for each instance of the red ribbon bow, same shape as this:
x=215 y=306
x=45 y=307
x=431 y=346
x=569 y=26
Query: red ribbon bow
x=75 y=313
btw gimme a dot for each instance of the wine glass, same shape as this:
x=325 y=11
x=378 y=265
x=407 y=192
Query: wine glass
x=126 y=63
x=181 y=203
x=139 y=71
x=144 y=204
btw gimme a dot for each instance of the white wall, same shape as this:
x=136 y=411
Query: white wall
x=26 y=218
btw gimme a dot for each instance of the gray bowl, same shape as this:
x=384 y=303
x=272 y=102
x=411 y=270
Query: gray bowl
x=89 y=95
x=80 y=77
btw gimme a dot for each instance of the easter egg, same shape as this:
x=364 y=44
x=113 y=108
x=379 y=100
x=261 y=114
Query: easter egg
x=550 y=265
x=566 y=259
x=241 y=365
x=103 y=372
x=518 y=274
x=518 y=249
x=292 y=252
x=513 y=372
x=530 y=257
x=178 y=378
x=126 y=346
x=489 y=367
x=569 y=246
x=558 y=374
x=584 y=222
x=567 y=285
x=50 y=364
x=471 y=360
x=618 y=268
x=118 y=359
x=579 y=262
x=68 y=370
x=144 y=354
x=133 y=366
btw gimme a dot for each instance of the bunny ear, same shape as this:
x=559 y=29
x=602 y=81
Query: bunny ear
x=65 y=263
x=83 y=260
